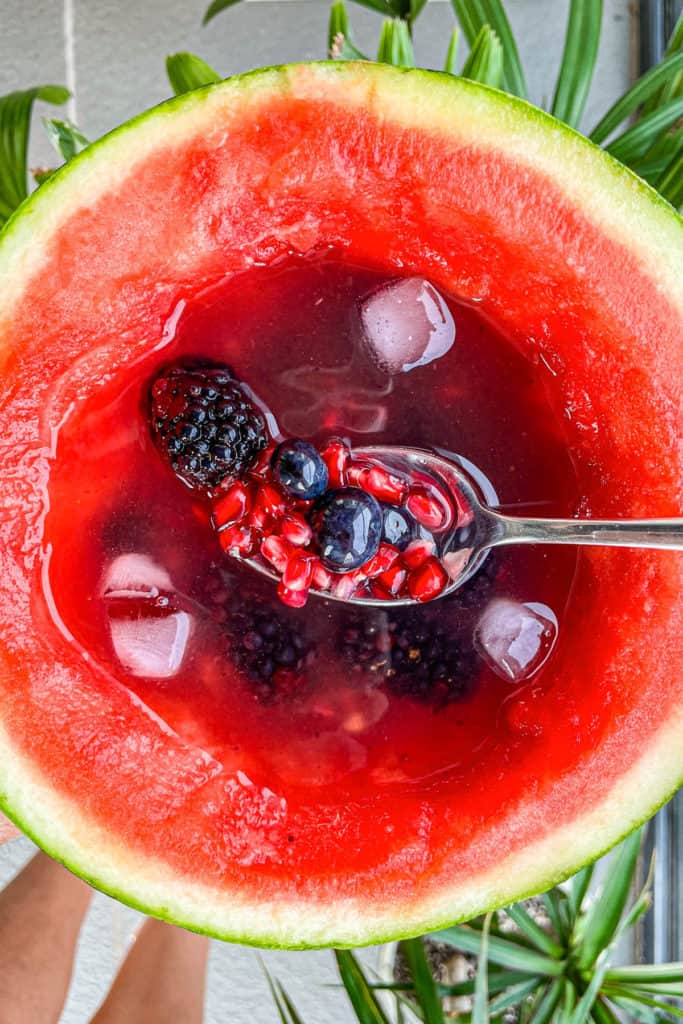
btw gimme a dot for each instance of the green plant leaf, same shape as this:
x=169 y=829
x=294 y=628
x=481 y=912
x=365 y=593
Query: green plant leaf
x=579 y=888
x=368 y=1010
x=514 y=995
x=275 y=994
x=480 y=1013
x=378 y=5
x=415 y=9
x=473 y=15
x=599 y=926
x=670 y=181
x=452 y=55
x=291 y=1009
x=505 y=952
x=602 y=1014
x=215 y=8
x=635 y=142
x=581 y=45
x=395 y=45
x=553 y=907
x=548 y=1002
x=485 y=60
x=186 y=72
x=339 y=42
x=15 y=123
x=644 y=88
x=647 y=973
x=424 y=985
x=675 y=85
x=568 y=1003
x=631 y=1000
x=533 y=931
x=65 y=137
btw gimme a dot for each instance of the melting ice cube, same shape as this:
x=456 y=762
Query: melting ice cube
x=149 y=642
x=406 y=324
x=515 y=639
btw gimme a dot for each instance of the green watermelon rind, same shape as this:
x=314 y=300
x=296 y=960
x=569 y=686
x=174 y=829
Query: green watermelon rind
x=526 y=133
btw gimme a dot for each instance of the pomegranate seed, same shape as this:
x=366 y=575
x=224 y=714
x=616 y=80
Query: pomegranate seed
x=417 y=552
x=385 y=486
x=231 y=507
x=357 y=474
x=427 y=509
x=236 y=540
x=379 y=592
x=260 y=520
x=346 y=585
x=427 y=581
x=271 y=500
x=277 y=551
x=293 y=598
x=262 y=466
x=336 y=455
x=379 y=563
x=322 y=577
x=298 y=573
x=296 y=530
x=393 y=579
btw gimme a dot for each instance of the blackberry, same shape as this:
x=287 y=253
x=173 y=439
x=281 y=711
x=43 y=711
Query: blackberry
x=424 y=652
x=203 y=421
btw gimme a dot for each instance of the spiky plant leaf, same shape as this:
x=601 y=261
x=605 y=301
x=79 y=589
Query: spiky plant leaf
x=424 y=985
x=646 y=86
x=601 y=922
x=395 y=45
x=473 y=15
x=485 y=60
x=581 y=46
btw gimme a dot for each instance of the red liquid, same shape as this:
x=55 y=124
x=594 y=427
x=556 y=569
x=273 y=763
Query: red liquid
x=291 y=332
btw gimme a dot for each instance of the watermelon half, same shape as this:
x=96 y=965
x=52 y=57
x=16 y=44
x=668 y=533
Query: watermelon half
x=572 y=257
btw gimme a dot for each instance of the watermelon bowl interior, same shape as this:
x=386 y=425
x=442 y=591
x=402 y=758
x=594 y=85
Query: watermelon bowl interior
x=390 y=780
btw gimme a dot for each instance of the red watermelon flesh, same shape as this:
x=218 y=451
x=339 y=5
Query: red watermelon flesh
x=342 y=811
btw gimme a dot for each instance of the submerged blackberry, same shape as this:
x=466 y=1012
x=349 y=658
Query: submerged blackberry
x=205 y=424
x=425 y=652
x=269 y=647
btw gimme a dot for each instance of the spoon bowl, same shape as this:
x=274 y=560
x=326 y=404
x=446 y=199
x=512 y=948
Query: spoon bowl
x=471 y=527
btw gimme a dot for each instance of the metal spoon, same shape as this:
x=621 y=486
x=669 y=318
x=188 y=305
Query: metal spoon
x=472 y=527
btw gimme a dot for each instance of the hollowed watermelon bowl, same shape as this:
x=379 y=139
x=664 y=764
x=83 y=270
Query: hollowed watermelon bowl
x=353 y=811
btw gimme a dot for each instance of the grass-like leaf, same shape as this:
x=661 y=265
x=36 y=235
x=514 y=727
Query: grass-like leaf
x=635 y=142
x=473 y=15
x=646 y=86
x=395 y=45
x=601 y=922
x=504 y=952
x=480 y=1013
x=65 y=137
x=579 y=888
x=548 y=1003
x=339 y=42
x=558 y=911
x=567 y=1003
x=363 y=1000
x=485 y=60
x=452 y=55
x=514 y=995
x=670 y=181
x=601 y=1013
x=215 y=8
x=424 y=985
x=15 y=123
x=414 y=9
x=294 y=1017
x=533 y=931
x=629 y=1001
x=383 y=6
x=186 y=72
x=277 y=993
x=647 y=973
x=581 y=46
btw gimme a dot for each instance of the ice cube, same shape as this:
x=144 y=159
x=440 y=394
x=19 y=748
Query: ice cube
x=516 y=639
x=149 y=644
x=406 y=324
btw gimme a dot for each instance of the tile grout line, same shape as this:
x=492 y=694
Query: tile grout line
x=68 y=31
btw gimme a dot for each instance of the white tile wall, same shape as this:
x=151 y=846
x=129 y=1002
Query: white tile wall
x=112 y=54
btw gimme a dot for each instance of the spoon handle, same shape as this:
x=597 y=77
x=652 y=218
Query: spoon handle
x=625 y=533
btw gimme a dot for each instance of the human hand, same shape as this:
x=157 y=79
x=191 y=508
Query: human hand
x=7 y=830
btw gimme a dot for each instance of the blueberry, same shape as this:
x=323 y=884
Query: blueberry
x=348 y=524
x=299 y=468
x=398 y=528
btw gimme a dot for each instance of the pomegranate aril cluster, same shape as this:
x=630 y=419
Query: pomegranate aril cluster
x=324 y=520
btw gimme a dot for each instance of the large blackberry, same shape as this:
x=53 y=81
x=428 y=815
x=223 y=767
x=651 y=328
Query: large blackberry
x=205 y=424
x=425 y=652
